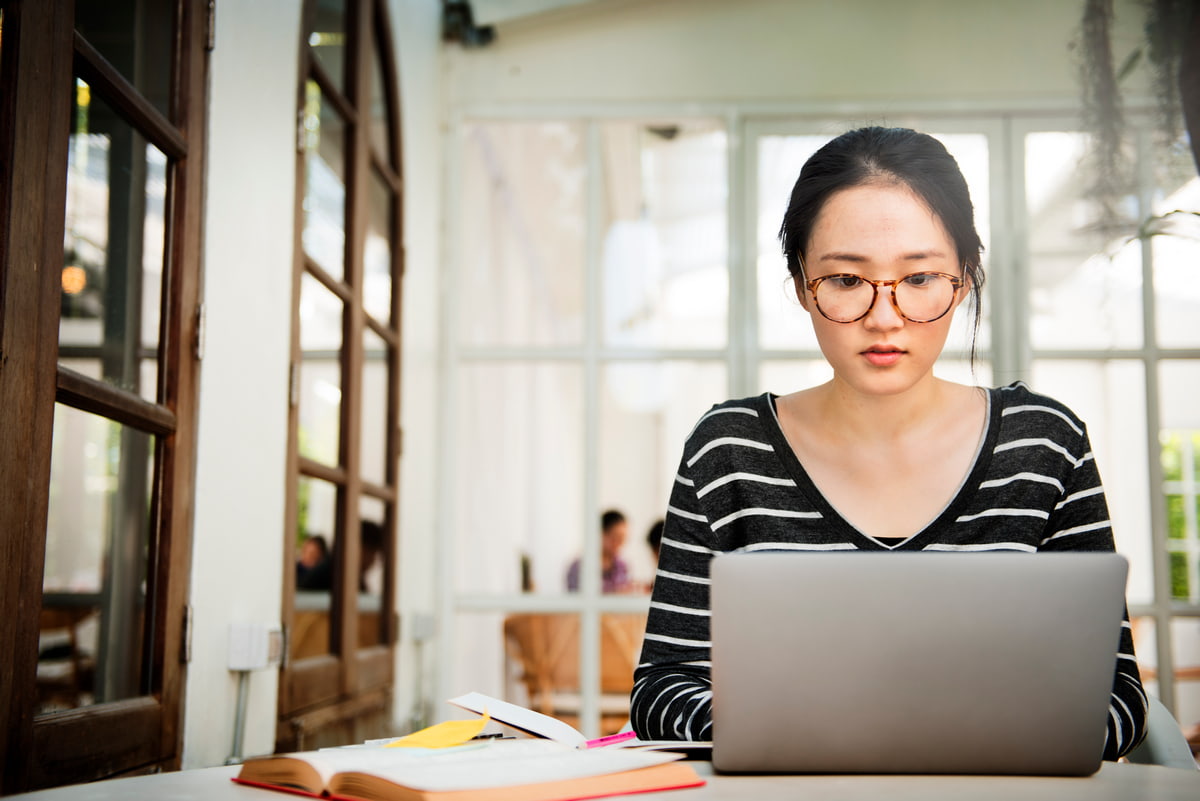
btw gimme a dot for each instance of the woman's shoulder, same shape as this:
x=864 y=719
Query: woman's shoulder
x=733 y=417
x=1028 y=411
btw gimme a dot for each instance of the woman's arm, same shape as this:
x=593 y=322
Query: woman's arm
x=672 y=694
x=1080 y=521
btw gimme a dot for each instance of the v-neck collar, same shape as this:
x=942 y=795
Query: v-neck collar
x=768 y=417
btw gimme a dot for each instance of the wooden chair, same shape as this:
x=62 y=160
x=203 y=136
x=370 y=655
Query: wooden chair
x=65 y=680
x=544 y=651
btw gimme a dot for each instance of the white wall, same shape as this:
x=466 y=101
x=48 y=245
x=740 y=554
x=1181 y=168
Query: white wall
x=418 y=42
x=826 y=53
x=237 y=558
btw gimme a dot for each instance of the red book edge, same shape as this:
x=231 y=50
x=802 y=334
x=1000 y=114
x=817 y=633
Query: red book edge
x=700 y=782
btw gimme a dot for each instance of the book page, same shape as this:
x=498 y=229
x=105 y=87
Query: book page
x=304 y=771
x=495 y=763
x=521 y=718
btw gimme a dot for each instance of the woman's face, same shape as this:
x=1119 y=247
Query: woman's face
x=881 y=232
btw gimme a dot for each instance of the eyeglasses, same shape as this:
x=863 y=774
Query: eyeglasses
x=917 y=297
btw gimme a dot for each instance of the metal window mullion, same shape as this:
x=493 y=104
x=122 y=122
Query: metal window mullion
x=1012 y=353
x=741 y=214
x=1158 y=517
x=445 y=533
x=589 y=565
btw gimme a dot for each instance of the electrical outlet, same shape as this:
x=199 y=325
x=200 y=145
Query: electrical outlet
x=254 y=646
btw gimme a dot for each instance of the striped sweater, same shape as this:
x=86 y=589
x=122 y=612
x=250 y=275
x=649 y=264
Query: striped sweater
x=1033 y=486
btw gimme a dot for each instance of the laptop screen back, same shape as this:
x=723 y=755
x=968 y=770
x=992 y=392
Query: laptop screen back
x=985 y=663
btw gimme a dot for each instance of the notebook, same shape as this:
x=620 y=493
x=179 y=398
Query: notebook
x=969 y=663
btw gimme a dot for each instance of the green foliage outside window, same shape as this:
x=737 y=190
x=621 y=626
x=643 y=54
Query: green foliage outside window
x=1183 y=487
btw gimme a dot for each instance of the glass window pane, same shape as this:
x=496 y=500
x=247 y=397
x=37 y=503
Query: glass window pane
x=324 y=233
x=328 y=39
x=1176 y=252
x=664 y=254
x=647 y=410
x=1180 y=440
x=374 y=557
x=112 y=275
x=1144 y=645
x=320 y=372
x=782 y=322
x=95 y=577
x=970 y=150
x=480 y=661
x=374 y=441
x=521 y=258
x=377 y=251
x=380 y=131
x=135 y=38
x=1185 y=658
x=1085 y=291
x=532 y=659
x=1109 y=396
x=1185 y=651
x=518 y=495
x=316 y=565
x=784 y=376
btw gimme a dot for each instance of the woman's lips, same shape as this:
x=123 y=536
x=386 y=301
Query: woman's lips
x=882 y=357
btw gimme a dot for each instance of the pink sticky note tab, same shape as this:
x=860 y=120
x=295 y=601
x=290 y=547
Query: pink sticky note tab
x=610 y=739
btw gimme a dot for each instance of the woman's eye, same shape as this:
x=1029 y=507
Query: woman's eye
x=845 y=281
x=920 y=280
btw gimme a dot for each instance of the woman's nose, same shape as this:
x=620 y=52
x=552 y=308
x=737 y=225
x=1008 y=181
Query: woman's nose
x=883 y=314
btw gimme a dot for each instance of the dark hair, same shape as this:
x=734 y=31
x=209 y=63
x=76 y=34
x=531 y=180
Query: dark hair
x=654 y=536
x=372 y=535
x=610 y=519
x=887 y=155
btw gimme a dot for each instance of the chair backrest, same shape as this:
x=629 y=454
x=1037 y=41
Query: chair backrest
x=545 y=647
x=1164 y=744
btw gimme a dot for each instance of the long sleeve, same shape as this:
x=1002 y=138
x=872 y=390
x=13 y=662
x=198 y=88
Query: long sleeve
x=1080 y=521
x=732 y=491
x=672 y=695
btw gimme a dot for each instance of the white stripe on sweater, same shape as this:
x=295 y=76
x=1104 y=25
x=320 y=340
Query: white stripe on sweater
x=722 y=441
x=1045 y=409
x=1035 y=477
x=980 y=546
x=1079 y=496
x=754 y=477
x=1067 y=532
x=1038 y=442
x=1005 y=513
x=761 y=512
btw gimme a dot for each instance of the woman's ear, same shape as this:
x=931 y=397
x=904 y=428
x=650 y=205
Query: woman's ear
x=799 y=280
x=963 y=291
x=801 y=292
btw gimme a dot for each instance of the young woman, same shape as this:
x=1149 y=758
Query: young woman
x=880 y=240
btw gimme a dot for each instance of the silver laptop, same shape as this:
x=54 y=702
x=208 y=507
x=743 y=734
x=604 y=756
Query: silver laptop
x=983 y=663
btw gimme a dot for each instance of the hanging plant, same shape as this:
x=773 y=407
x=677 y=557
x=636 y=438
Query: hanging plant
x=1171 y=53
x=1108 y=167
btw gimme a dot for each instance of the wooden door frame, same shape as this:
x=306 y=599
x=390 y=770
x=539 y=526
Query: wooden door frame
x=41 y=55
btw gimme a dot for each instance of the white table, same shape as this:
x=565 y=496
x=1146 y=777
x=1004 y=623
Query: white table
x=1114 y=782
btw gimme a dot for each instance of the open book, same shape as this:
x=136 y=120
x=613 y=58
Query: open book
x=490 y=770
x=539 y=725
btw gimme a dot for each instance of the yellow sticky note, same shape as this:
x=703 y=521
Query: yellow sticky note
x=442 y=735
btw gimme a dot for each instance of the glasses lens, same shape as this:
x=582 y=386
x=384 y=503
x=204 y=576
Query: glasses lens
x=844 y=298
x=923 y=297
